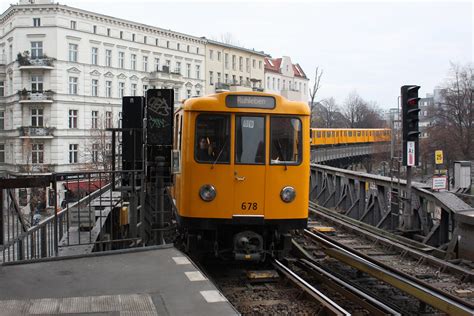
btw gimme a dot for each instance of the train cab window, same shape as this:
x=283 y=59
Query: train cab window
x=250 y=140
x=285 y=138
x=212 y=141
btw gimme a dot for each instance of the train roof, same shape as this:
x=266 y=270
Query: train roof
x=246 y=102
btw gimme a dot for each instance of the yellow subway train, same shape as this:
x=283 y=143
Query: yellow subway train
x=243 y=180
x=345 y=136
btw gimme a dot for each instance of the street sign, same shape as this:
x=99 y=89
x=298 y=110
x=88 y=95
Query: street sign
x=439 y=183
x=410 y=154
x=439 y=157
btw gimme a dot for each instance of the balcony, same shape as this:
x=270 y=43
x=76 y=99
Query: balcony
x=36 y=132
x=165 y=76
x=28 y=63
x=36 y=96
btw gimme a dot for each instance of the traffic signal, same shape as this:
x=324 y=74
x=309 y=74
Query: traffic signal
x=410 y=111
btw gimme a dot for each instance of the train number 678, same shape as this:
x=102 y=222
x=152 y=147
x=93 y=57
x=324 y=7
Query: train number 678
x=247 y=206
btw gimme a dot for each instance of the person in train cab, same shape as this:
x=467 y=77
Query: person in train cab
x=204 y=150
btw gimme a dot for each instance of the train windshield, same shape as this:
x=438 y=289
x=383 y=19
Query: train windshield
x=285 y=137
x=212 y=141
x=250 y=140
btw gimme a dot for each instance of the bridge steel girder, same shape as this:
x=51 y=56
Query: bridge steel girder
x=344 y=156
x=368 y=198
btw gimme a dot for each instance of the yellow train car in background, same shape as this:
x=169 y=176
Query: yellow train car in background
x=347 y=136
x=243 y=182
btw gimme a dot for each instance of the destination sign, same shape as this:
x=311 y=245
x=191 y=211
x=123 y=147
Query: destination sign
x=250 y=101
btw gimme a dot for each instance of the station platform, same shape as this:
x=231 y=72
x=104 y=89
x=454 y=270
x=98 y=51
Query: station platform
x=157 y=280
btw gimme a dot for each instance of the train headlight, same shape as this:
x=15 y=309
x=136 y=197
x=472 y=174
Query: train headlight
x=207 y=192
x=288 y=194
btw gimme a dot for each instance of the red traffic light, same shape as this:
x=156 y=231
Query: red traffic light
x=413 y=101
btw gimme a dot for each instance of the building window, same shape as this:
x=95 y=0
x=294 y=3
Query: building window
x=2 y=153
x=247 y=64
x=233 y=79
x=198 y=92
x=188 y=93
x=197 y=50
x=108 y=89
x=2 y=120
x=95 y=52
x=178 y=68
x=254 y=63
x=95 y=87
x=108 y=58
x=241 y=63
x=120 y=120
x=36 y=22
x=145 y=88
x=234 y=62
x=198 y=71
x=121 y=34
x=108 y=119
x=218 y=77
x=121 y=58
x=226 y=78
x=36 y=84
x=268 y=82
x=211 y=79
x=133 y=37
x=176 y=95
x=73 y=25
x=188 y=70
x=144 y=39
x=156 y=42
x=94 y=29
x=167 y=44
x=2 y=88
x=72 y=118
x=211 y=54
x=133 y=89
x=218 y=56
x=95 y=152
x=95 y=119
x=37 y=153
x=73 y=52
x=178 y=46
x=121 y=89
x=72 y=85
x=37 y=117
x=133 y=61
x=157 y=64
x=187 y=48
x=36 y=50
x=73 y=149
x=145 y=63
x=259 y=64
x=226 y=61
x=108 y=32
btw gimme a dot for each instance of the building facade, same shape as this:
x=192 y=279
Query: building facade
x=231 y=68
x=63 y=73
x=285 y=78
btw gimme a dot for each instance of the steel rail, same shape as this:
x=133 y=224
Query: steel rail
x=390 y=240
x=329 y=307
x=430 y=295
x=367 y=301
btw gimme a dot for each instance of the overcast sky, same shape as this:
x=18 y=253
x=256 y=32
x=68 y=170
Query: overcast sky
x=369 y=47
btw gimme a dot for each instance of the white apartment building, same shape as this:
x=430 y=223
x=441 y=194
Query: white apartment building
x=233 y=68
x=70 y=82
x=285 y=78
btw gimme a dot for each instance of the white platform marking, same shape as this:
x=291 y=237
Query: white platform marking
x=213 y=296
x=181 y=260
x=195 y=276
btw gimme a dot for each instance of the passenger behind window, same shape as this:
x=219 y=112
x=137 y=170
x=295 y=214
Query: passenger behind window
x=205 y=150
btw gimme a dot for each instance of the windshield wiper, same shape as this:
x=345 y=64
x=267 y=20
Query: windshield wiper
x=219 y=155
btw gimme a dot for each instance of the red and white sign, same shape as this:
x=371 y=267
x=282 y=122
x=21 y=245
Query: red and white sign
x=410 y=154
x=439 y=183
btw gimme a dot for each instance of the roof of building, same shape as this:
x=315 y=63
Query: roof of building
x=253 y=51
x=274 y=65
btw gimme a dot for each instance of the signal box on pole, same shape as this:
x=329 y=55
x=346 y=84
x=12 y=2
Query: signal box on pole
x=410 y=112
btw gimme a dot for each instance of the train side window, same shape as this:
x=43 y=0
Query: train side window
x=250 y=140
x=358 y=133
x=212 y=138
x=318 y=134
x=286 y=140
x=350 y=133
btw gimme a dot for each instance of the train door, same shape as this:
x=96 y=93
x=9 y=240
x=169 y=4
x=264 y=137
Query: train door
x=249 y=166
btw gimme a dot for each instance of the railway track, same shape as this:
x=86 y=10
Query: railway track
x=431 y=281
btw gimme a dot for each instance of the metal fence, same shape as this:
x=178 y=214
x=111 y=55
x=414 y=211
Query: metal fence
x=85 y=214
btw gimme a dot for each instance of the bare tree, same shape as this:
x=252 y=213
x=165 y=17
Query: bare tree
x=316 y=85
x=360 y=113
x=227 y=38
x=330 y=111
x=455 y=114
